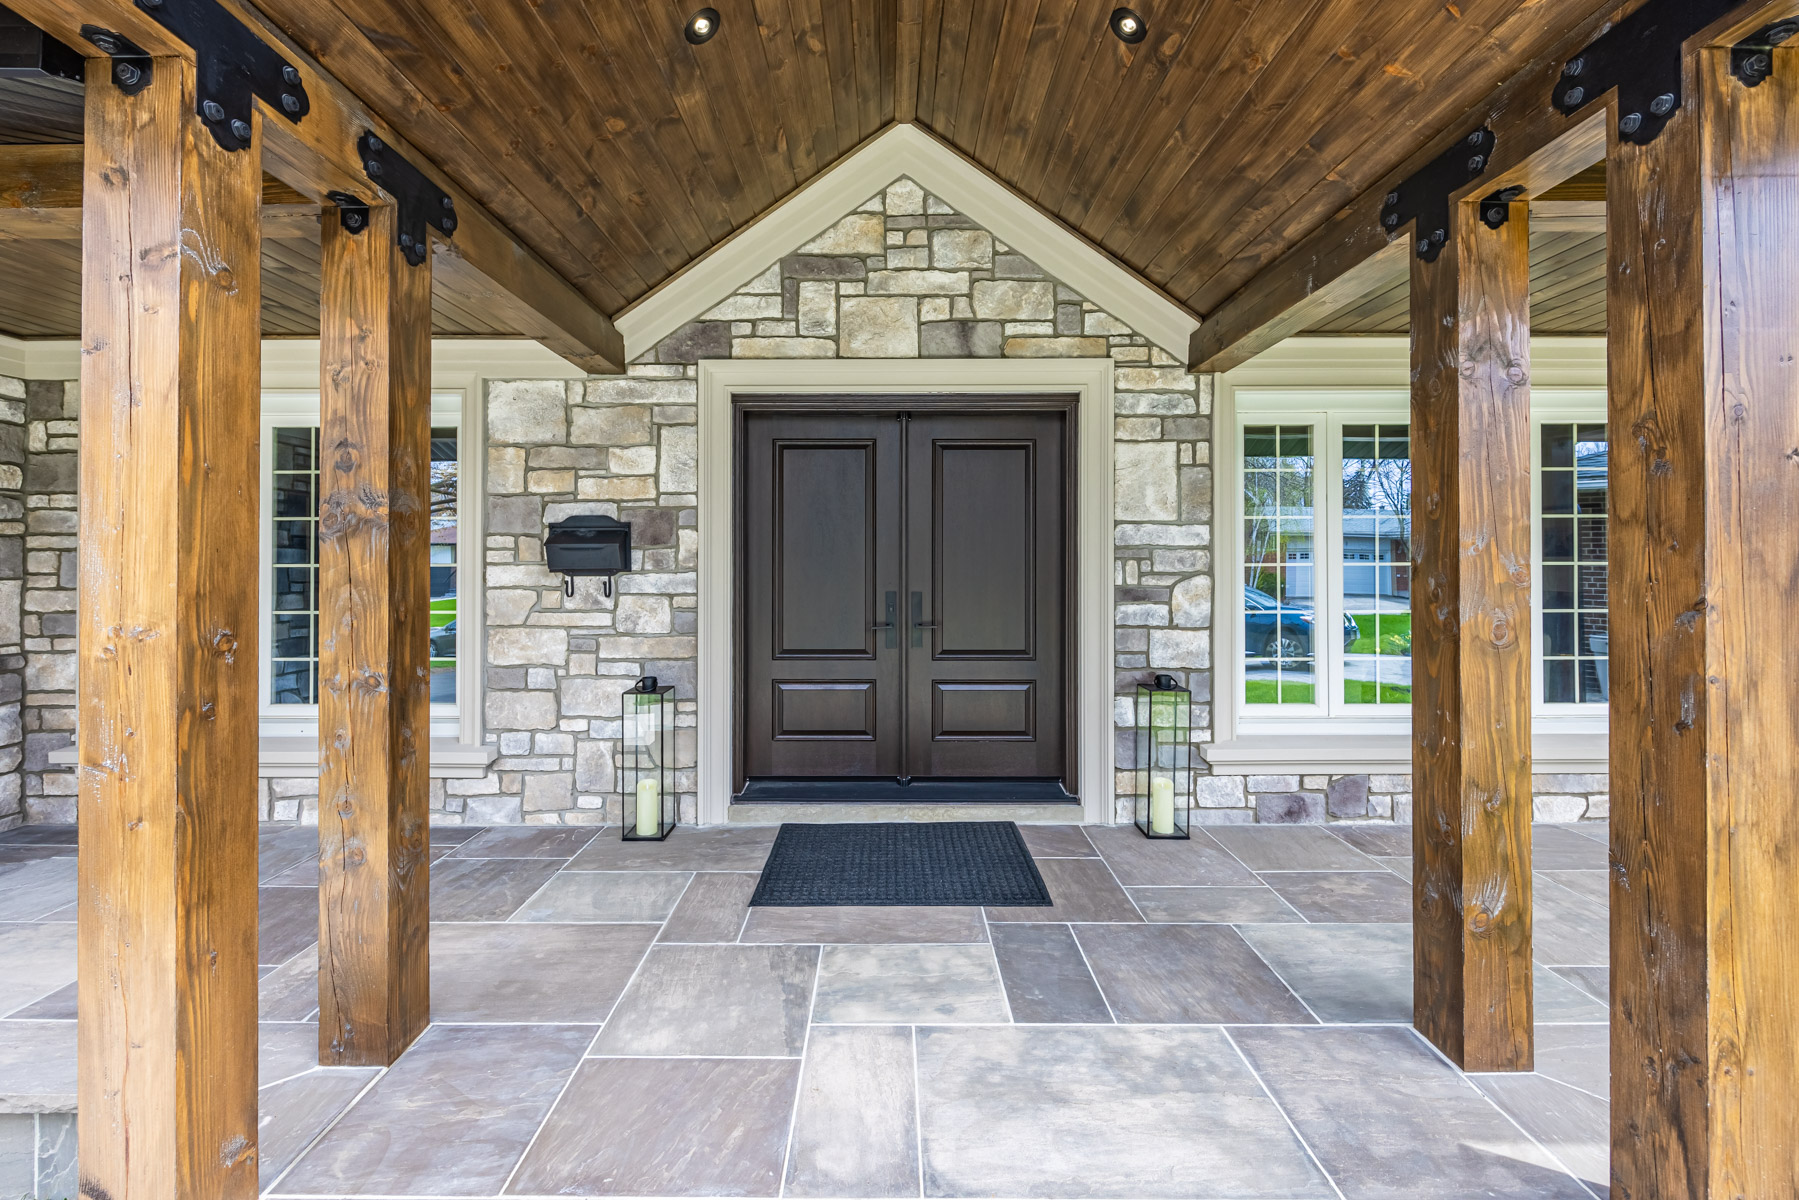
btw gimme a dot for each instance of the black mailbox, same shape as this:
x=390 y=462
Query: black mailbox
x=588 y=545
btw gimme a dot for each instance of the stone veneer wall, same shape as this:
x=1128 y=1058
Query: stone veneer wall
x=1290 y=799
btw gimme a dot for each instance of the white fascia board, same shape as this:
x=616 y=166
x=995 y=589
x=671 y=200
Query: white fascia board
x=43 y=358
x=906 y=150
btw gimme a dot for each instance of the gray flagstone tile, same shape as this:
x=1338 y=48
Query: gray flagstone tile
x=606 y=896
x=1138 y=860
x=287 y=921
x=18 y=1155
x=715 y=1000
x=1401 y=867
x=1185 y=974
x=445 y=837
x=1571 y=1124
x=525 y=841
x=12 y=856
x=665 y=1127
x=852 y=924
x=35 y=960
x=292 y=1112
x=1577 y=1055
x=1291 y=848
x=1360 y=896
x=485 y=889
x=515 y=972
x=1046 y=978
x=1057 y=841
x=1560 y=848
x=59 y=1005
x=1389 y=1118
x=1081 y=889
x=39 y=835
x=285 y=1049
x=290 y=992
x=31 y=891
x=1598 y=831
x=1344 y=972
x=58 y=1167
x=718 y=848
x=1555 y=999
x=1101 y=1111
x=1211 y=904
x=1594 y=885
x=712 y=909
x=281 y=847
x=1594 y=981
x=37 y=1066
x=1568 y=929
x=1381 y=841
x=855 y=1128
x=908 y=985
x=450 y=1118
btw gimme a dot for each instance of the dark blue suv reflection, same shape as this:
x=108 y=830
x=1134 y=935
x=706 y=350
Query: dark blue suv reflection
x=1270 y=631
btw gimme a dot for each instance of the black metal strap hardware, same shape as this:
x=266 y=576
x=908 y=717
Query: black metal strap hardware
x=1752 y=59
x=421 y=205
x=131 y=68
x=1640 y=56
x=351 y=211
x=27 y=52
x=233 y=67
x=1425 y=196
x=1496 y=209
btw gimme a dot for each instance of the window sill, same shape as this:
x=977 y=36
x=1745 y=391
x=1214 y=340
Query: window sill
x=1384 y=754
x=298 y=758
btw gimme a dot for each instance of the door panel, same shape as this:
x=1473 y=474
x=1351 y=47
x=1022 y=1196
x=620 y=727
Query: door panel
x=981 y=518
x=825 y=549
x=820 y=708
x=983 y=710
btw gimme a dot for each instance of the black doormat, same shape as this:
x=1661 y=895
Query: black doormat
x=900 y=863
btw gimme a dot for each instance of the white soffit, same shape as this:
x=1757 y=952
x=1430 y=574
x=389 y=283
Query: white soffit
x=909 y=151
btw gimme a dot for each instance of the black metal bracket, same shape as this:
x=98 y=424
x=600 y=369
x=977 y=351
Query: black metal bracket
x=420 y=204
x=1425 y=196
x=1640 y=56
x=1752 y=59
x=233 y=67
x=27 y=52
x=1496 y=209
x=131 y=68
x=351 y=211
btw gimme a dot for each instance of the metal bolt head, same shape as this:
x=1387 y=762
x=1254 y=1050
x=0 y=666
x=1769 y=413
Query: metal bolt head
x=375 y=143
x=1424 y=245
x=1438 y=235
x=241 y=129
x=126 y=74
x=1574 y=66
x=352 y=220
x=290 y=102
x=1630 y=122
x=1663 y=104
x=1391 y=220
x=372 y=167
x=448 y=224
x=406 y=239
x=1781 y=31
x=290 y=74
x=1475 y=137
x=150 y=4
x=1392 y=198
x=1759 y=64
x=105 y=42
x=1574 y=95
x=447 y=203
x=212 y=110
x=1477 y=164
x=1496 y=214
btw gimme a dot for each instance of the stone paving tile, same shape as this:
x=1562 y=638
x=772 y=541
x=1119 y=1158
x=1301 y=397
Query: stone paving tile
x=39 y=835
x=1081 y=889
x=294 y=1111
x=1045 y=976
x=1140 y=861
x=1558 y=1000
x=1344 y=973
x=1571 y=1124
x=855 y=1125
x=12 y=856
x=908 y=985
x=1401 y=867
x=715 y=1000
x=1359 y=896
x=1577 y=1055
x=280 y=848
x=1381 y=841
x=58 y=1171
x=35 y=960
x=1594 y=885
x=32 y=891
x=1559 y=848
x=1568 y=929
x=712 y=909
x=1185 y=974
x=1598 y=831
x=1057 y=841
x=735 y=848
x=525 y=841
x=570 y=974
x=864 y=924
x=1210 y=904
x=285 y=1049
x=1101 y=1111
x=1594 y=981
x=1388 y=1117
x=291 y=991
x=451 y=1118
x=59 y=1005
x=37 y=1066
x=665 y=1127
x=287 y=921
x=1291 y=848
x=606 y=896
x=486 y=889
x=447 y=836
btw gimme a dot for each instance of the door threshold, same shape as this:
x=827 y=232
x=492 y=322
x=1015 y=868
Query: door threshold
x=892 y=791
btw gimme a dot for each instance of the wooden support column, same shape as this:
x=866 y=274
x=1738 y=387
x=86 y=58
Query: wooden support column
x=170 y=369
x=1703 y=363
x=1471 y=802
x=374 y=633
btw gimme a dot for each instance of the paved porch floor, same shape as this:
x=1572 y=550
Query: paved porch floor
x=1227 y=1017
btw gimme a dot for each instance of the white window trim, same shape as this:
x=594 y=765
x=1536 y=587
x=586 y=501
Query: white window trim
x=1330 y=382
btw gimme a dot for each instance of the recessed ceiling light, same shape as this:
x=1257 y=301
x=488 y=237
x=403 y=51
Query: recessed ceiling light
x=1128 y=25
x=701 y=26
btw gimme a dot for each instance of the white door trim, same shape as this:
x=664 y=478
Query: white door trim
x=1089 y=379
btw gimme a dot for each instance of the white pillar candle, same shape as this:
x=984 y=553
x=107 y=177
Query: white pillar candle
x=649 y=808
x=1161 y=805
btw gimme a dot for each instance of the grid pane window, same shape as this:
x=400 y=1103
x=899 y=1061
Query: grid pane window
x=294 y=588
x=443 y=566
x=1280 y=572
x=1576 y=639
x=1377 y=565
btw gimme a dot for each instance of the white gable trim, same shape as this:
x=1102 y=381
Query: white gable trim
x=910 y=151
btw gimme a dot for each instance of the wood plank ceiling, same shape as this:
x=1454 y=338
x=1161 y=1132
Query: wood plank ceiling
x=621 y=153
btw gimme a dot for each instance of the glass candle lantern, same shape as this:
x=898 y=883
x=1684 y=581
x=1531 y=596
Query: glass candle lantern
x=649 y=806
x=1164 y=792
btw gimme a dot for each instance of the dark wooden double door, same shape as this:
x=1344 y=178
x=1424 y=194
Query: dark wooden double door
x=906 y=594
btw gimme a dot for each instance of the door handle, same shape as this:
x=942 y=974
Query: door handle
x=892 y=607
x=919 y=624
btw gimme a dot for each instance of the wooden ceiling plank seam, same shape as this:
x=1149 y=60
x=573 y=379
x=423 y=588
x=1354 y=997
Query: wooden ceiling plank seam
x=952 y=56
x=865 y=36
x=788 y=90
x=1108 y=66
x=840 y=55
x=1355 y=317
x=930 y=48
x=907 y=42
x=1009 y=49
x=983 y=43
x=1081 y=41
x=1043 y=50
x=805 y=19
x=1355 y=168
x=889 y=46
x=726 y=66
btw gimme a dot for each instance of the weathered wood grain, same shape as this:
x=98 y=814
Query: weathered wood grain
x=1704 y=622
x=1471 y=785
x=374 y=646
x=167 y=649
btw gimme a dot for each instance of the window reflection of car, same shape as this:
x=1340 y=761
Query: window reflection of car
x=1273 y=631
x=443 y=641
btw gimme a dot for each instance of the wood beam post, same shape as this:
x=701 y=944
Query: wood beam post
x=374 y=633
x=1703 y=317
x=1471 y=981
x=170 y=371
